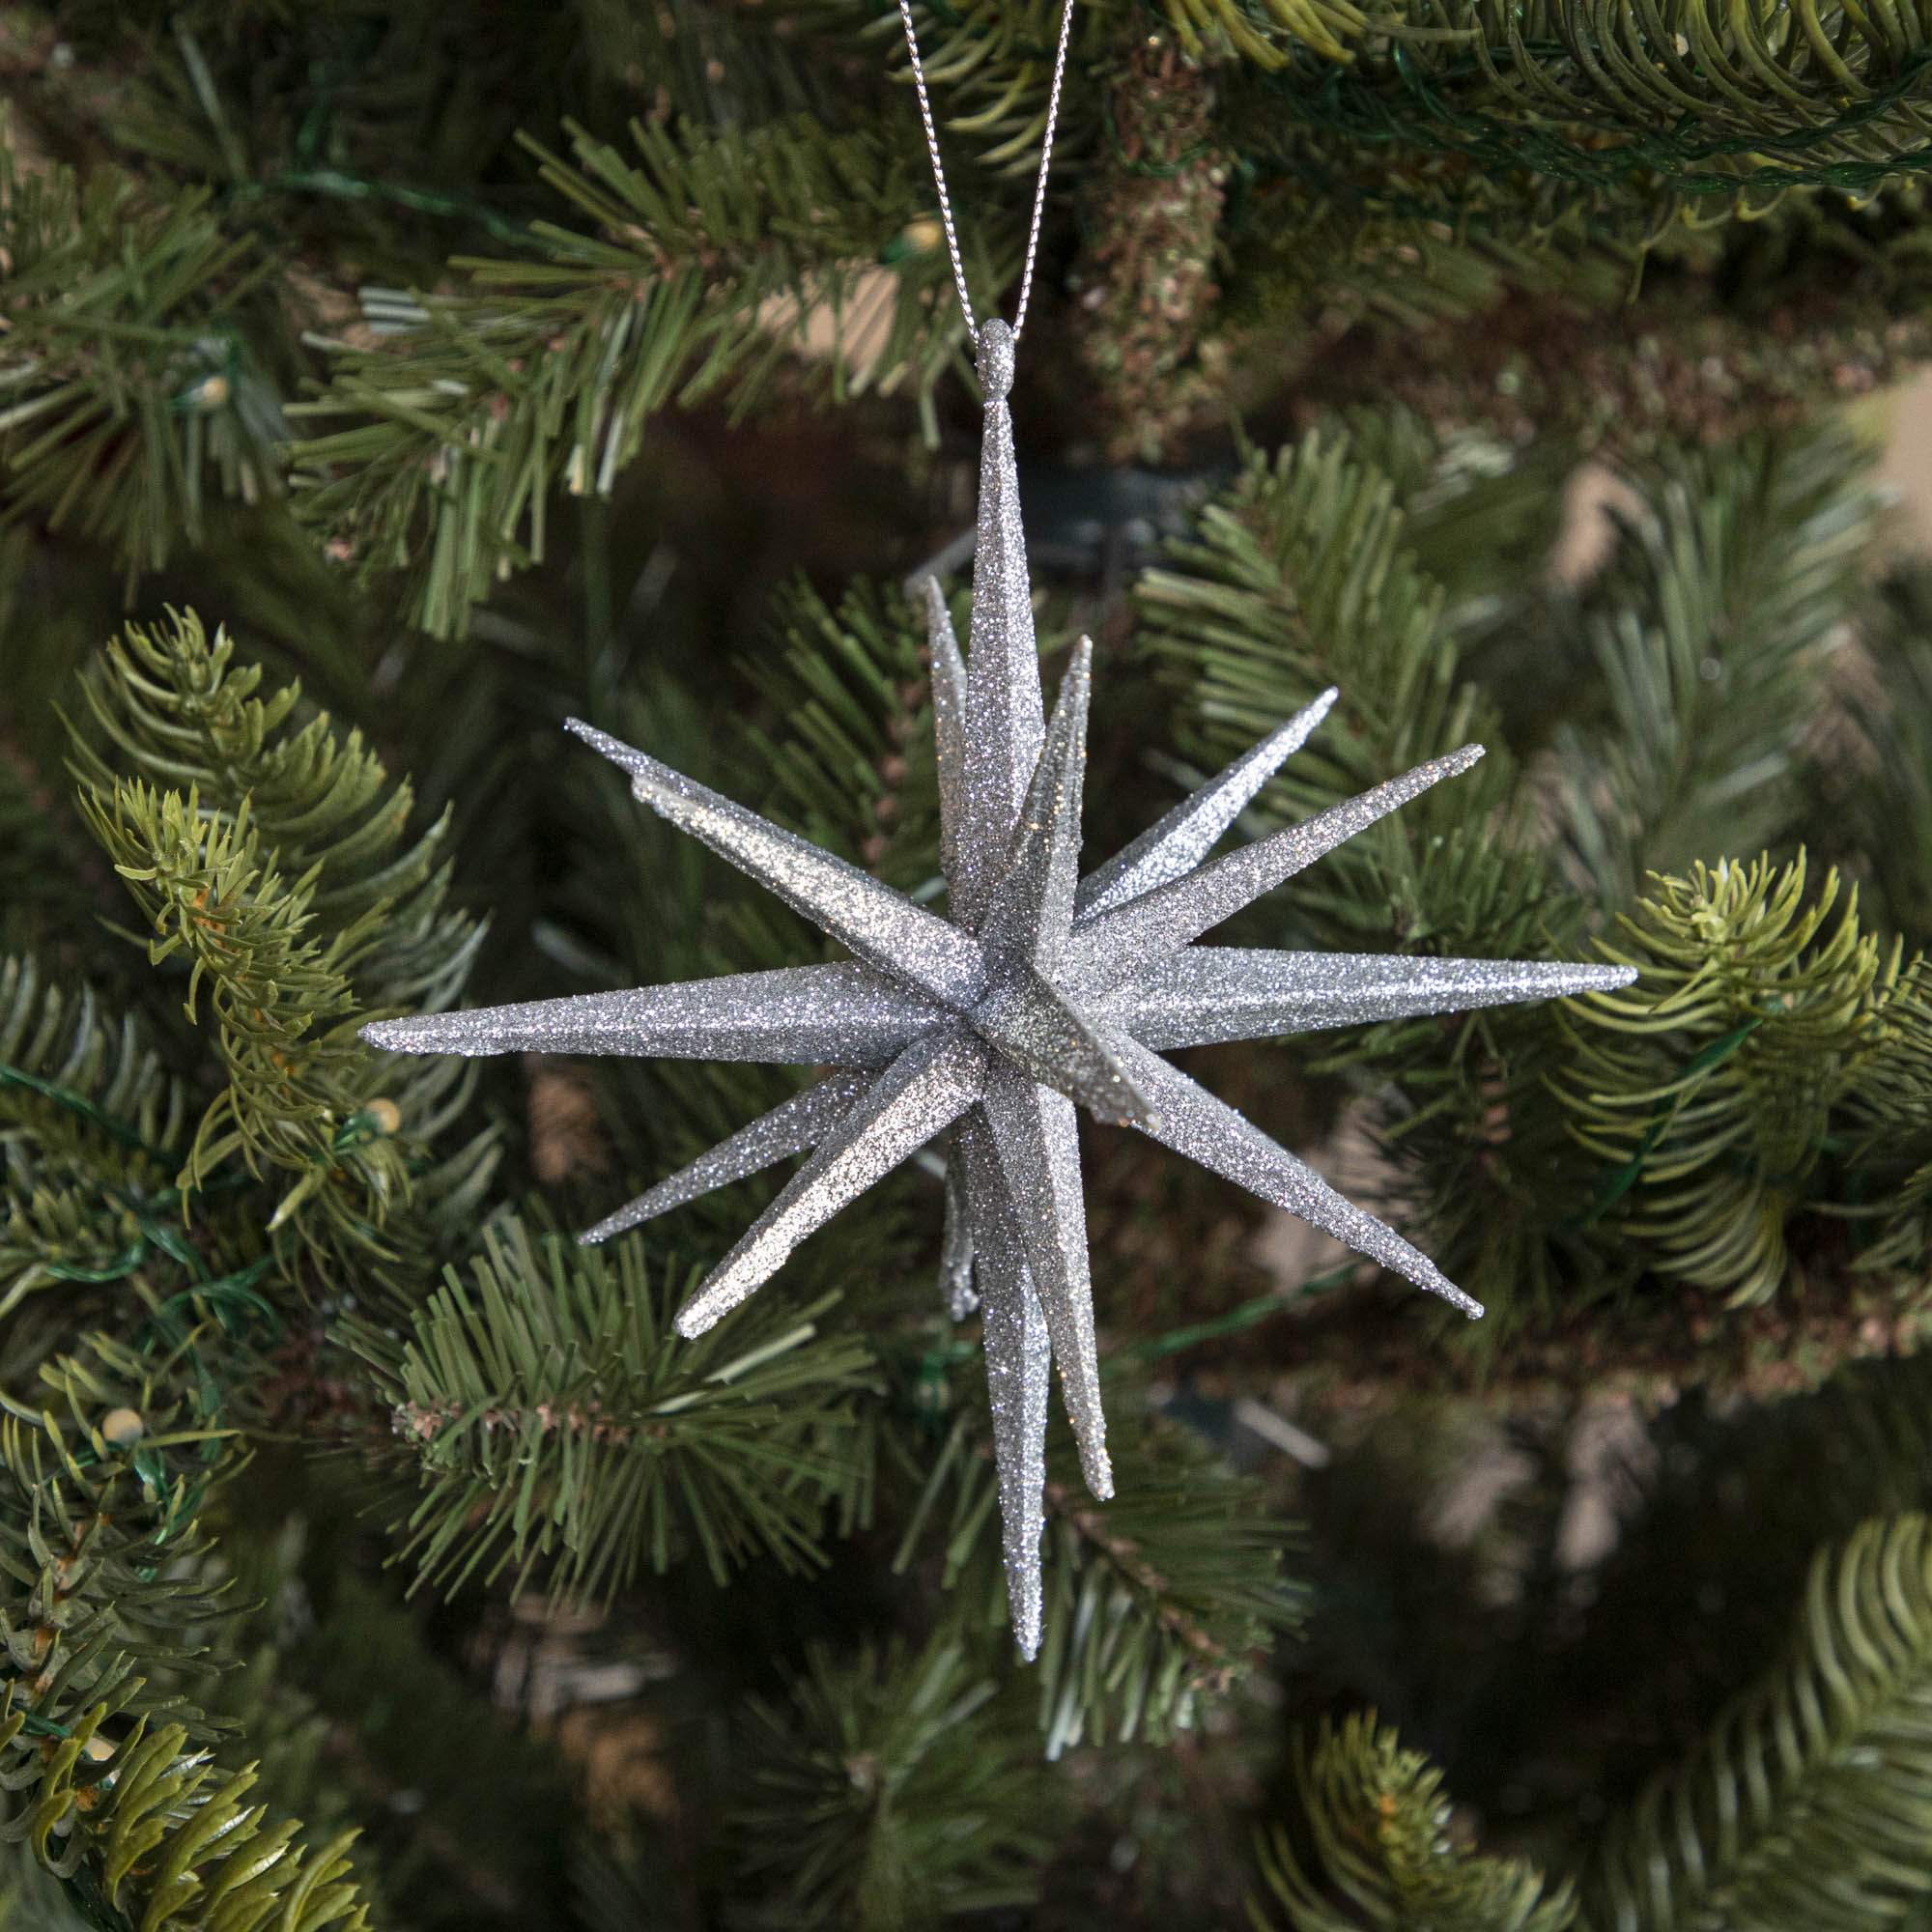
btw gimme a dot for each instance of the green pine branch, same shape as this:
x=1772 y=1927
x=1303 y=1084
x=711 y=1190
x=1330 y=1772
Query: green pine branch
x=106 y=1597
x=1297 y=577
x=705 y=259
x=94 y=1127
x=1709 y=106
x=274 y=861
x=854 y=770
x=1879 y=800
x=466 y=1813
x=1698 y=1598
x=1888 y=1155
x=1305 y=574
x=567 y=1438
x=1707 y=1089
x=1805 y=1805
x=990 y=70
x=108 y=1458
x=130 y=389
x=1483 y=144
x=1808 y=1802
x=886 y=1791
x=144 y=1826
x=1384 y=1853
x=320 y=127
x=1156 y=1603
x=1711 y=630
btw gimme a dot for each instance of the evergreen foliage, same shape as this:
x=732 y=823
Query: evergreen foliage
x=1706 y=109
x=854 y=768
x=564 y=1431
x=1733 y=593
x=1803 y=1807
x=281 y=877
x=1385 y=1846
x=1756 y=1015
x=1304 y=576
x=547 y=371
x=132 y=390
x=1153 y=1602
x=1807 y=1804
x=473 y=367
x=111 y=1781
x=865 y=1799
x=90 y=1112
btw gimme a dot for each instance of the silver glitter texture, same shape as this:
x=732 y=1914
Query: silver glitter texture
x=1038 y=992
x=799 y=1123
x=1181 y=840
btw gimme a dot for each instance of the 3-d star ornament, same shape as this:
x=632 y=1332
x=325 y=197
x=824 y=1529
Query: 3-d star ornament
x=1041 y=992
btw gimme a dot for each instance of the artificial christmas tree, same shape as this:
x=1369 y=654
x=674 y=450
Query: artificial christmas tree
x=379 y=387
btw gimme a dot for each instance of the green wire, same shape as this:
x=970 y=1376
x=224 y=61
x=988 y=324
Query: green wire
x=1627 y=1177
x=1245 y=1315
x=80 y=1105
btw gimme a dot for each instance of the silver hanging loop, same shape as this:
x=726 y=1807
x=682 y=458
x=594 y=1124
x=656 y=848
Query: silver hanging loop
x=939 y=174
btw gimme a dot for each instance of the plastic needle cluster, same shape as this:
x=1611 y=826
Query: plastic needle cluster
x=1040 y=993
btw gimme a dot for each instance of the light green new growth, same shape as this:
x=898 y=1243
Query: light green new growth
x=1706 y=1089
x=1385 y=1851
x=112 y=1787
x=273 y=859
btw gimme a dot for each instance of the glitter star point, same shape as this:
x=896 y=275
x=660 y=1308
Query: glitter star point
x=1038 y=993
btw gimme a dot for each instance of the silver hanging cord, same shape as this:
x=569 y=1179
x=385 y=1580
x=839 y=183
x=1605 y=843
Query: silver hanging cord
x=939 y=173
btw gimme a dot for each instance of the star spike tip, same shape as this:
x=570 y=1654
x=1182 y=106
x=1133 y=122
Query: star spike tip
x=632 y=761
x=390 y=1034
x=1291 y=734
x=1076 y=689
x=690 y=1320
x=1134 y=1111
x=1025 y=1636
x=1285 y=740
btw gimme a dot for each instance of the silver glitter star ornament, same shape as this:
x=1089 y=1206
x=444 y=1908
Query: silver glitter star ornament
x=1038 y=993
